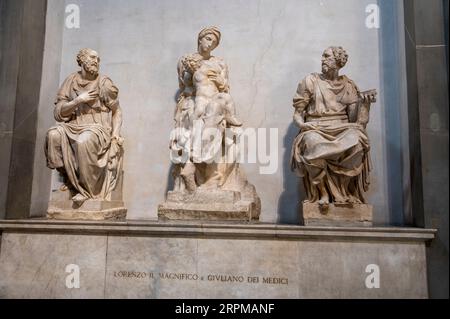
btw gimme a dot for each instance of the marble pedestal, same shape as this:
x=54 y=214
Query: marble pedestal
x=61 y=206
x=337 y=214
x=89 y=210
x=210 y=205
x=180 y=260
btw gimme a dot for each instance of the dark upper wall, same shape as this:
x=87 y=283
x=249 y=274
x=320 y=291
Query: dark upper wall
x=10 y=31
x=22 y=50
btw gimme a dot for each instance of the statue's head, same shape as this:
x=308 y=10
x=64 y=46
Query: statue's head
x=334 y=58
x=208 y=39
x=192 y=63
x=89 y=60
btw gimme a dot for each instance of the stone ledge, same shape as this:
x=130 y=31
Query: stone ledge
x=220 y=230
x=351 y=215
x=119 y=213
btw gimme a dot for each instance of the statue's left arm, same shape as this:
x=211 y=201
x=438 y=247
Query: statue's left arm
x=116 y=139
x=116 y=120
x=359 y=103
x=351 y=98
x=109 y=94
x=366 y=100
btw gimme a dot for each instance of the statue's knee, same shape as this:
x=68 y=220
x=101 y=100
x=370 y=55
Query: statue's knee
x=86 y=138
x=306 y=144
x=53 y=135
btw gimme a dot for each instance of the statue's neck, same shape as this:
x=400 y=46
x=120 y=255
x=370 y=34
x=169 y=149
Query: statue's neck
x=88 y=76
x=332 y=75
x=205 y=55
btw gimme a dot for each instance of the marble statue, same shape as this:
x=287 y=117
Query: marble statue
x=86 y=147
x=208 y=181
x=331 y=152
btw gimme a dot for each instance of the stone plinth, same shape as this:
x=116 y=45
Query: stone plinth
x=62 y=207
x=337 y=214
x=209 y=205
x=89 y=210
x=206 y=260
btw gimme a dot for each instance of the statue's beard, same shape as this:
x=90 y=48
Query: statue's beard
x=91 y=68
x=327 y=69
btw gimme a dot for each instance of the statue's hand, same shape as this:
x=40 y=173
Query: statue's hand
x=114 y=151
x=369 y=96
x=87 y=97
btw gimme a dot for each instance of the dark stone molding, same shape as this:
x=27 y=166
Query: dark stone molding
x=427 y=89
x=31 y=53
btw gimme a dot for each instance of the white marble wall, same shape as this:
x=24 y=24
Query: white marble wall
x=269 y=46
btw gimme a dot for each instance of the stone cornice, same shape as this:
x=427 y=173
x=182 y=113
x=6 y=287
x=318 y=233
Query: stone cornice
x=220 y=230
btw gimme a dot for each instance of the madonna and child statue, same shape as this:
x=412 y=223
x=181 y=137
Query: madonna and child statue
x=209 y=183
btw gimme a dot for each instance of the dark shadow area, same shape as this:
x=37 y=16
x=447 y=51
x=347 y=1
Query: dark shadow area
x=445 y=7
x=437 y=271
x=170 y=182
x=290 y=201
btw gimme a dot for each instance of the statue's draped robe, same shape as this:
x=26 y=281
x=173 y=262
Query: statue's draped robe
x=337 y=152
x=80 y=143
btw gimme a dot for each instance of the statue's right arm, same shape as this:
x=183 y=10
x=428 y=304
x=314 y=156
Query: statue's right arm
x=300 y=103
x=66 y=108
x=298 y=118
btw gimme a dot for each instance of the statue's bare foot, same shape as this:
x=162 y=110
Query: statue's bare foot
x=63 y=188
x=324 y=201
x=79 y=199
x=354 y=200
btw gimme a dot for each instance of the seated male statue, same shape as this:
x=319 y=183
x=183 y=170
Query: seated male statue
x=331 y=152
x=85 y=146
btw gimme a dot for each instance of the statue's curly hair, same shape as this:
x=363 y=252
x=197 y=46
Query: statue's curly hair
x=340 y=55
x=81 y=56
x=191 y=63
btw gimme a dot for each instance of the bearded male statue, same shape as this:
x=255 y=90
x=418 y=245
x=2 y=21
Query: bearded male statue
x=331 y=152
x=86 y=147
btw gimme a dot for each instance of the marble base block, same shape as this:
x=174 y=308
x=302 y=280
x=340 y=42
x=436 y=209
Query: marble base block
x=90 y=210
x=337 y=215
x=208 y=205
x=61 y=205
